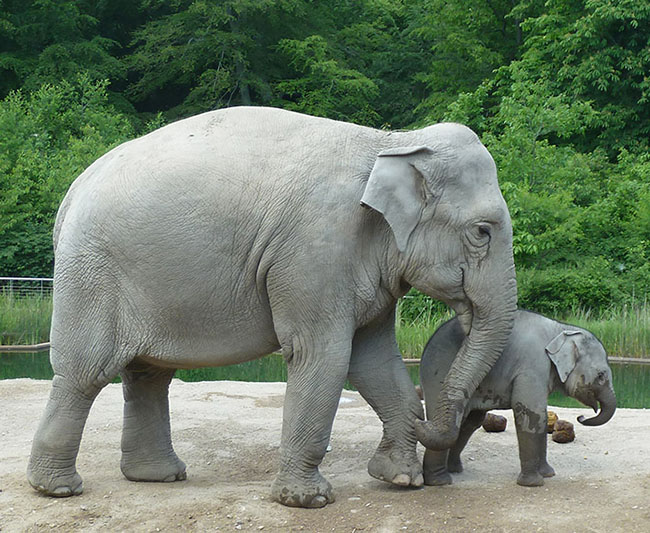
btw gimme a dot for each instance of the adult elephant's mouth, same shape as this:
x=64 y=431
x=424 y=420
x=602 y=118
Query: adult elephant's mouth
x=463 y=306
x=465 y=315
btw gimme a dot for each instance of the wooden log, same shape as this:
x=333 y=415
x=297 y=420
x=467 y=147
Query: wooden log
x=25 y=348
x=612 y=360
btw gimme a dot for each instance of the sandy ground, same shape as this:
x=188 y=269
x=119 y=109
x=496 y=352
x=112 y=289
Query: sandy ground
x=228 y=434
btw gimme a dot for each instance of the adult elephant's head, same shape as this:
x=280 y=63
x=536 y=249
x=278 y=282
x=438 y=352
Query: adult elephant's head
x=453 y=232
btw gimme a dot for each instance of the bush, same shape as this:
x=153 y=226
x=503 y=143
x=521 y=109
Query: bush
x=559 y=290
x=48 y=138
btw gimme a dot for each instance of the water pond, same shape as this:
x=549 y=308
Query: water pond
x=631 y=382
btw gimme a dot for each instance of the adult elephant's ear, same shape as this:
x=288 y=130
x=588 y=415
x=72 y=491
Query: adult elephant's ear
x=397 y=190
x=564 y=353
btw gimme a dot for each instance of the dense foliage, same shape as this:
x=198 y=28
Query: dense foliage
x=558 y=91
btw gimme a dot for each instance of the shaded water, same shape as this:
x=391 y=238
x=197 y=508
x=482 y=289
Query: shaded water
x=631 y=382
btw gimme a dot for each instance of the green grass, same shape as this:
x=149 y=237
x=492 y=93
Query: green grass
x=412 y=338
x=416 y=323
x=24 y=320
x=623 y=332
x=270 y=368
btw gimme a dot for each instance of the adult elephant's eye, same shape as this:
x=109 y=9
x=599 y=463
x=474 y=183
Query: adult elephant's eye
x=478 y=237
x=481 y=234
x=485 y=231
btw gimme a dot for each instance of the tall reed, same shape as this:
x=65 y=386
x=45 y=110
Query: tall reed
x=624 y=331
x=414 y=329
x=24 y=320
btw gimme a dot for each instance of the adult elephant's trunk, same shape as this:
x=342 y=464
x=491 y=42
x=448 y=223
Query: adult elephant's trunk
x=492 y=319
x=607 y=400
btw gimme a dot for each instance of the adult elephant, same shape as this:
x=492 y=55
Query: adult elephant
x=223 y=237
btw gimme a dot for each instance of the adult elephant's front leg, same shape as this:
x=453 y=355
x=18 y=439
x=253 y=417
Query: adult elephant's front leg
x=316 y=374
x=378 y=372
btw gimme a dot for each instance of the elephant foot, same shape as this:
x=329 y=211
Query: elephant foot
x=162 y=469
x=292 y=491
x=455 y=465
x=434 y=467
x=56 y=484
x=530 y=479
x=403 y=472
x=437 y=479
x=546 y=470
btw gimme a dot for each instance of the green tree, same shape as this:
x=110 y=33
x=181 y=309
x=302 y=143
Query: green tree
x=597 y=51
x=48 y=138
x=47 y=41
x=464 y=42
x=574 y=174
x=207 y=54
x=323 y=86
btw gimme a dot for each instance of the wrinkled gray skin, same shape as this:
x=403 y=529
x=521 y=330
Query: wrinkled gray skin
x=223 y=237
x=541 y=356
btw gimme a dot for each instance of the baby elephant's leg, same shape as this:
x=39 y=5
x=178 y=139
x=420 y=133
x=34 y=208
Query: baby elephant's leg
x=435 y=468
x=531 y=447
x=529 y=407
x=544 y=468
x=469 y=426
x=531 y=436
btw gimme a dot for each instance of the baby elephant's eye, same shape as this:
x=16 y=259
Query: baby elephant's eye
x=601 y=377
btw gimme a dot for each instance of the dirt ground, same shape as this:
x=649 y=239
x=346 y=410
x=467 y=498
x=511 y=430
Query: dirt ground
x=228 y=434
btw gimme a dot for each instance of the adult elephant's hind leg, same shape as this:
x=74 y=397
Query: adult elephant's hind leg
x=147 y=452
x=378 y=372
x=51 y=469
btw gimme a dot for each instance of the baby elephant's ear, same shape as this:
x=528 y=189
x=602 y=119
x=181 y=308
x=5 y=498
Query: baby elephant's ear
x=564 y=353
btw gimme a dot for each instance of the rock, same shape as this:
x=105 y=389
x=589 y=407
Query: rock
x=494 y=423
x=551 y=420
x=563 y=432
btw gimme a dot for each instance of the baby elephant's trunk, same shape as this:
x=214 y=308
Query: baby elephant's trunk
x=607 y=400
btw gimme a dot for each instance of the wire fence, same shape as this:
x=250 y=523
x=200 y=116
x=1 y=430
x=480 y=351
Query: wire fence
x=26 y=287
x=42 y=287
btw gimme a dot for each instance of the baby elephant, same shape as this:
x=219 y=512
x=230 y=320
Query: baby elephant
x=541 y=356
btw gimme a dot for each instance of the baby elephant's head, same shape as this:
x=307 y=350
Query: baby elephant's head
x=581 y=363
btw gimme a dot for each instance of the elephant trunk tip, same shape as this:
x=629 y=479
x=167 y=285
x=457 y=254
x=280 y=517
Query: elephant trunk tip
x=607 y=410
x=431 y=439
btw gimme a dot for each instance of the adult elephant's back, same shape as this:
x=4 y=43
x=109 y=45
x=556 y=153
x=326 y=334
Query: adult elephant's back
x=177 y=230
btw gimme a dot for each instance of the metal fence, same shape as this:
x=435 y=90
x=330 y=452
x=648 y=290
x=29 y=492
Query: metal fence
x=24 y=287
